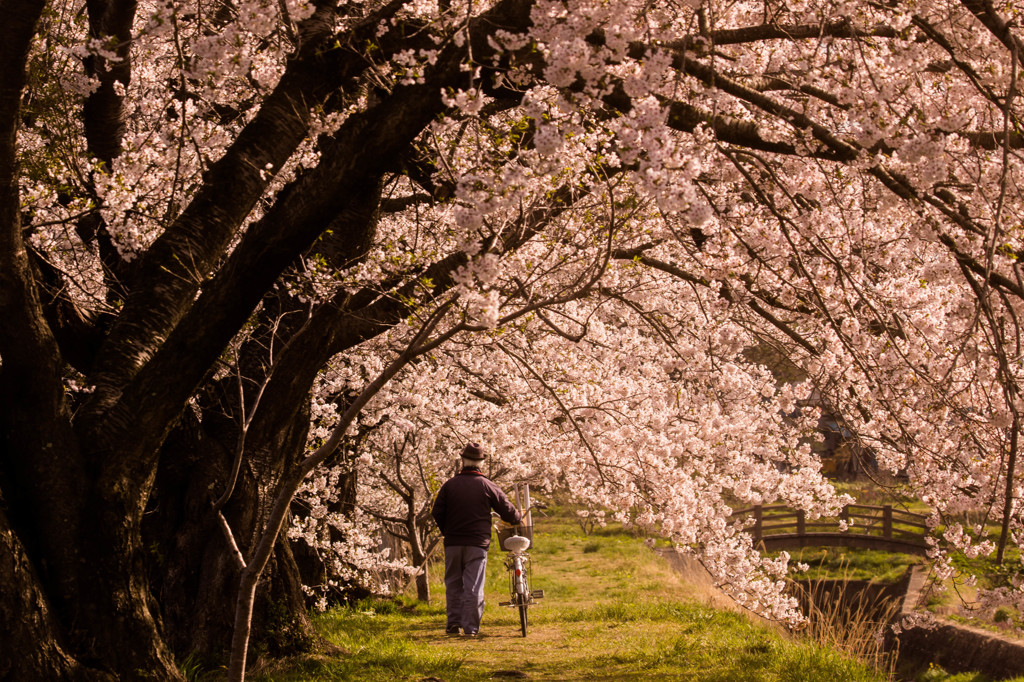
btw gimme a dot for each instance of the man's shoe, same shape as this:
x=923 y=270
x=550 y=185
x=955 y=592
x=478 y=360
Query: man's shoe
x=472 y=634
x=451 y=631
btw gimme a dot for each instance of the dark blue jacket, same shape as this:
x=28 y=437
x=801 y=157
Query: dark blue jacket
x=463 y=509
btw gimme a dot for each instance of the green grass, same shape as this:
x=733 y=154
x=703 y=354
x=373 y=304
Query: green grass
x=613 y=610
x=937 y=674
x=852 y=564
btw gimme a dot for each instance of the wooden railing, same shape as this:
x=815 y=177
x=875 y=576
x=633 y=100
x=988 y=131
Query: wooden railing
x=778 y=526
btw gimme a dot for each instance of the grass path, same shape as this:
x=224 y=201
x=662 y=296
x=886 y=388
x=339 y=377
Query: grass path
x=613 y=610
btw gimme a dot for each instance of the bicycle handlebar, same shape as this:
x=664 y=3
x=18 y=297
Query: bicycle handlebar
x=538 y=505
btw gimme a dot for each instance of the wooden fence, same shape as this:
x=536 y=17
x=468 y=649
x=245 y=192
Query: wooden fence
x=883 y=528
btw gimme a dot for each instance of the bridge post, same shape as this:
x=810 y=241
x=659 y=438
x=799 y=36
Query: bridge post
x=757 y=524
x=801 y=519
x=887 y=522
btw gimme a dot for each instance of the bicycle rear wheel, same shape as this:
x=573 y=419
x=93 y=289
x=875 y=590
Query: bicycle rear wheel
x=522 y=618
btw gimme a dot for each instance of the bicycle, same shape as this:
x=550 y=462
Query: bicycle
x=518 y=562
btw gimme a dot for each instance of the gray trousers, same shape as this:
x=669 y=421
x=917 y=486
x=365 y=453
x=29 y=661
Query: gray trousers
x=464 y=572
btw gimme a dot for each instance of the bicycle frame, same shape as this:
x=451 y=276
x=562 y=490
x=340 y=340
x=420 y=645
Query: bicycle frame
x=519 y=567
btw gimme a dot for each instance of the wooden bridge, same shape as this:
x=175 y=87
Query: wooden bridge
x=882 y=528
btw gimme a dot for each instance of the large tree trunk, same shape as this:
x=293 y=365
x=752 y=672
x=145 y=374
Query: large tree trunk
x=85 y=605
x=115 y=605
x=197 y=579
x=33 y=640
x=72 y=528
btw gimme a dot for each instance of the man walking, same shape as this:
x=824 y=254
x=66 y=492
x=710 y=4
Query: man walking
x=463 y=513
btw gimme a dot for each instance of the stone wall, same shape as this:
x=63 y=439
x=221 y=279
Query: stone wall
x=955 y=646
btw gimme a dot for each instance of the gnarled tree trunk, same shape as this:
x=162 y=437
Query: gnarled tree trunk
x=196 y=579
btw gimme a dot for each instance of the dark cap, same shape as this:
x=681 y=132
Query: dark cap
x=473 y=451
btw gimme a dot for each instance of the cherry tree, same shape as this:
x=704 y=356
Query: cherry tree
x=598 y=207
x=392 y=473
x=608 y=416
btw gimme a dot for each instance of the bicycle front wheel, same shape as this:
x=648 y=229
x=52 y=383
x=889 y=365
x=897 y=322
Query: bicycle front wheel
x=522 y=618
